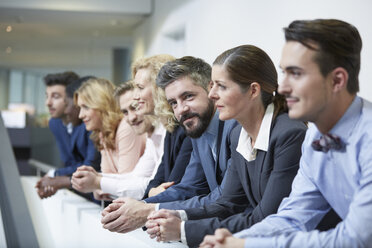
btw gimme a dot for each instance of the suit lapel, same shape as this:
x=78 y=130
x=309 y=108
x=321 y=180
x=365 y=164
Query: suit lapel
x=207 y=160
x=172 y=153
x=73 y=138
x=244 y=175
x=260 y=162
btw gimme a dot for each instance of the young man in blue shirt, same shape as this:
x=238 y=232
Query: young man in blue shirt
x=72 y=138
x=321 y=62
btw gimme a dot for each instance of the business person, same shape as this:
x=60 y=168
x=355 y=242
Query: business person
x=265 y=150
x=321 y=62
x=74 y=145
x=186 y=82
x=151 y=100
x=119 y=145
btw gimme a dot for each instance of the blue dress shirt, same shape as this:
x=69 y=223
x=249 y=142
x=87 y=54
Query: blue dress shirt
x=338 y=179
x=75 y=149
x=201 y=183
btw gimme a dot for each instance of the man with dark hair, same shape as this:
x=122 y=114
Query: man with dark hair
x=321 y=62
x=73 y=141
x=186 y=82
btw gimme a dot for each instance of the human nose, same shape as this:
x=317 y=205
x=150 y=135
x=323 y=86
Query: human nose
x=48 y=101
x=81 y=114
x=132 y=116
x=213 y=93
x=284 y=87
x=182 y=109
x=136 y=94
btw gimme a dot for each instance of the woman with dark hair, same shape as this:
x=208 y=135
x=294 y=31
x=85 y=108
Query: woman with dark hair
x=266 y=150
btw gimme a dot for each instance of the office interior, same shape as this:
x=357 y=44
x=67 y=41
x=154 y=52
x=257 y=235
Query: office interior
x=102 y=38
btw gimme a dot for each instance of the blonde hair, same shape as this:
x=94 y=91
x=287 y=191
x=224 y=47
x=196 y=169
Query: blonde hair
x=162 y=110
x=98 y=94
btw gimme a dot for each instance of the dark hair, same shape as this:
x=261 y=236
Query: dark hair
x=64 y=78
x=194 y=68
x=247 y=64
x=337 y=43
x=72 y=87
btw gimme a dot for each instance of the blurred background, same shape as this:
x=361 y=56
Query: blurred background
x=102 y=38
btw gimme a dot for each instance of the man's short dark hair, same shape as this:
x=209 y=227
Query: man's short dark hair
x=72 y=87
x=64 y=78
x=338 y=44
x=194 y=68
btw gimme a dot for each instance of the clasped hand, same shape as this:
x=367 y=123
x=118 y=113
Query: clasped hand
x=164 y=225
x=86 y=179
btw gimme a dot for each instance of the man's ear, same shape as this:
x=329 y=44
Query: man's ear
x=340 y=78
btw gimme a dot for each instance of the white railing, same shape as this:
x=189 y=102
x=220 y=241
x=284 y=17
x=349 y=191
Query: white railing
x=68 y=220
x=40 y=166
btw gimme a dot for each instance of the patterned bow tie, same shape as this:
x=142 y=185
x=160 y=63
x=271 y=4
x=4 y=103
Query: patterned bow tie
x=328 y=142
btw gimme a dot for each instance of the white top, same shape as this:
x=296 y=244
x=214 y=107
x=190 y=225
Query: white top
x=262 y=142
x=134 y=183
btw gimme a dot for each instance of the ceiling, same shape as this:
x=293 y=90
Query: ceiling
x=66 y=34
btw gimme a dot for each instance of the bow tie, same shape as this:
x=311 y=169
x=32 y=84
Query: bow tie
x=328 y=142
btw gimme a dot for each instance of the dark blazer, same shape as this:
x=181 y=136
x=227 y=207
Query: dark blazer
x=253 y=189
x=176 y=157
x=76 y=149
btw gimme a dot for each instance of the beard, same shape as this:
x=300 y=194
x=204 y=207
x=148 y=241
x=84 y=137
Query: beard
x=202 y=124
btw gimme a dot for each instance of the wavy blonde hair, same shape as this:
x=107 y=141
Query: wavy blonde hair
x=98 y=94
x=162 y=110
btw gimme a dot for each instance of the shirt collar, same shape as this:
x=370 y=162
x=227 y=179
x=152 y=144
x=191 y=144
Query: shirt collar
x=69 y=127
x=344 y=127
x=262 y=142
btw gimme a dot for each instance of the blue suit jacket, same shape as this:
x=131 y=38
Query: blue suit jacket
x=76 y=149
x=203 y=179
x=176 y=157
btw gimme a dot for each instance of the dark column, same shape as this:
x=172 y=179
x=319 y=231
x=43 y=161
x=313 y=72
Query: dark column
x=121 y=65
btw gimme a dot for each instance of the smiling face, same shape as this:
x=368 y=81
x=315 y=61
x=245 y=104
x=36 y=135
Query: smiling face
x=191 y=105
x=307 y=91
x=90 y=117
x=55 y=100
x=143 y=93
x=230 y=101
x=136 y=120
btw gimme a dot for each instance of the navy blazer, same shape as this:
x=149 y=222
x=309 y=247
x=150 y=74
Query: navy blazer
x=76 y=149
x=255 y=189
x=176 y=157
x=203 y=178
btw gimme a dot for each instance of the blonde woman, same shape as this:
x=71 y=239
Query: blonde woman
x=151 y=99
x=120 y=147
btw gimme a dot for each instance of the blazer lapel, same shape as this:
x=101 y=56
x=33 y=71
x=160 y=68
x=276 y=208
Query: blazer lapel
x=209 y=169
x=73 y=138
x=244 y=175
x=260 y=162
